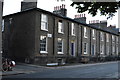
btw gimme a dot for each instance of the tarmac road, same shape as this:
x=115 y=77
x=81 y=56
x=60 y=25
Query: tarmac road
x=105 y=70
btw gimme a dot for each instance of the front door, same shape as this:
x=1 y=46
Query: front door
x=73 y=49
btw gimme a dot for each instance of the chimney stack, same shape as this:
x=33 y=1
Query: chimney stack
x=81 y=18
x=27 y=4
x=60 y=10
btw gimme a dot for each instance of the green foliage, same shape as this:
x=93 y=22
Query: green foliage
x=105 y=8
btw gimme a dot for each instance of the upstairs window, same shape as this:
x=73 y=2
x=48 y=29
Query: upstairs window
x=85 y=32
x=43 y=44
x=44 y=22
x=60 y=27
x=101 y=36
x=117 y=41
x=113 y=38
x=60 y=46
x=93 y=33
x=73 y=29
x=107 y=37
x=2 y=25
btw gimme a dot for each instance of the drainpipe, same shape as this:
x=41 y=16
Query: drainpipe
x=90 y=44
x=54 y=37
x=68 y=41
x=1 y=11
x=81 y=40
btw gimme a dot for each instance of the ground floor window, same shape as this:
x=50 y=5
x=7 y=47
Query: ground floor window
x=60 y=45
x=117 y=49
x=93 y=49
x=85 y=48
x=107 y=50
x=43 y=44
x=113 y=50
x=101 y=49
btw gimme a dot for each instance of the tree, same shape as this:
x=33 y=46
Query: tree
x=105 y=8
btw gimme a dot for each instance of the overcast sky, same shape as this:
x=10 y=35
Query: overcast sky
x=13 y=6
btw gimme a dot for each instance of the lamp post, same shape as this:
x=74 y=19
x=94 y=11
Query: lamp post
x=1 y=9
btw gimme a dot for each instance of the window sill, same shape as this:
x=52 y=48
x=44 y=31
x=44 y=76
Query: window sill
x=73 y=35
x=60 y=53
x=94 y=38
x=44 y=29
x=85 y=53
x=61 y=32
x=101 y=53
x=85 y=37
x=43 y=52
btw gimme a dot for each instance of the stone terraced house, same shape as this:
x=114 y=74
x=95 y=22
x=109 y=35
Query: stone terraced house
x=41 y=37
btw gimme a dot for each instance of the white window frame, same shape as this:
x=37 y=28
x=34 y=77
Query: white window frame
x=117 y=51
x=102 y=36
x=107 y=37
x=102 y=49
x=3 y=25
x=45 y=21
x=85 y=32
x=108 y=49
x=113 y=49
x=113 y=38
x=60 y=27
x=73 y=29
x=46 y=44
x=86 y=48
x=62 y=46
x=117 y=41
x=93 y=33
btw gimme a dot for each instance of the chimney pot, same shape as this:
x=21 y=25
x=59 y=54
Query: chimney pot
x=98 y=21
x=60 y=7
x=92 y=21
x=64 y=6
x=75 y=16
x=78 y=16
x=84 y=15
x=54 y=8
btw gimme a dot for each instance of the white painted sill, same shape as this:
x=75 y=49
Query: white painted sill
x=60 y=53
x=43 y=52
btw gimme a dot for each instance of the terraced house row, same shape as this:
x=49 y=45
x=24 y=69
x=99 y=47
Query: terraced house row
x=41 y=37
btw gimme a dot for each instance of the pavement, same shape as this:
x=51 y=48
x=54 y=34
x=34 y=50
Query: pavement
x=22 y=68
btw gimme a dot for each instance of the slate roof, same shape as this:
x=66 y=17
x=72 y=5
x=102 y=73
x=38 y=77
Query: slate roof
x=114 y=31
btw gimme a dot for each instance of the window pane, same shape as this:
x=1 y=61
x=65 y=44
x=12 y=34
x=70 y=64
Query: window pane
x=43 y=43
x=60 y=27
x=60 y=43
x=2 y=25
x=44 y=22
x=72 y=29
x=85 y=32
